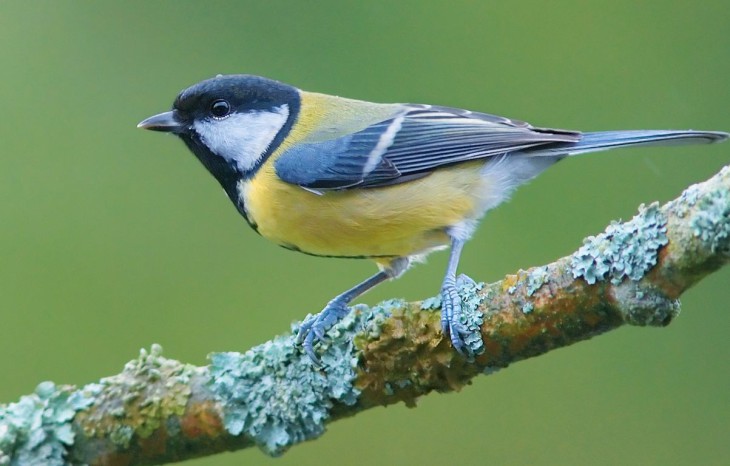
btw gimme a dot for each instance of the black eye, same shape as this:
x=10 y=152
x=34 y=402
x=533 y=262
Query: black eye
x=220 y=108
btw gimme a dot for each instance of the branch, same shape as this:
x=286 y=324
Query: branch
x=160 y=410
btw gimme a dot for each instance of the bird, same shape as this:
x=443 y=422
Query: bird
x=338 y=177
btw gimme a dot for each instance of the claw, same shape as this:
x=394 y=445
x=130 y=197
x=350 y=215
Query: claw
x=451 y=313
x=308 y=348
x=313 y=329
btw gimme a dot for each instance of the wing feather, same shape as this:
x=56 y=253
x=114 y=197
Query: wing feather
x=409 y=145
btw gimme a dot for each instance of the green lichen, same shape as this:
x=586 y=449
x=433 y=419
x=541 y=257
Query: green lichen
x=536 y=279
x=471 y=318
x=624 y=250
x=527 y=307
x=710 y=221
x=122 y=436
x=644 y=306
x=430 y=304
x=373 y=317
x=149 y=391
x=682 y=205
x=37 y=429
x=275 y=395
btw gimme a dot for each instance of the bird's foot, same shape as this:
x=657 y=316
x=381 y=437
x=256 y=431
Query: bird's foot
x=313 y=329
x=450 y=312
x=465 y=280
x=451 y=309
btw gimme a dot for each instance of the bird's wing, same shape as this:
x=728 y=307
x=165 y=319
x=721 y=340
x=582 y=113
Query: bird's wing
x=409 y=145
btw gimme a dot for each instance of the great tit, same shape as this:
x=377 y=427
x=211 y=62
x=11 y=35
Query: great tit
x=336 y=177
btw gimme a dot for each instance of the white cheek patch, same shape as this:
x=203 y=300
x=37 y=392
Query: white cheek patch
x=242 y=138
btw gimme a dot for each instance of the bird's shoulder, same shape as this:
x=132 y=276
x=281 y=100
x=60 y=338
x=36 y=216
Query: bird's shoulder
x=324 y=117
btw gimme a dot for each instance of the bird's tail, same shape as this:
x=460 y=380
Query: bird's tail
x=604 y=140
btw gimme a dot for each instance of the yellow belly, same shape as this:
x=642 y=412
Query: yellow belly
x=399 y=220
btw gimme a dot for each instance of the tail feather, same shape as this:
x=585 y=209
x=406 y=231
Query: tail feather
x=604 y=140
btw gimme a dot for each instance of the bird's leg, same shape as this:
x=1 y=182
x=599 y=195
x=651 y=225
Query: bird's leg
x=314 y=327
x=450 y=299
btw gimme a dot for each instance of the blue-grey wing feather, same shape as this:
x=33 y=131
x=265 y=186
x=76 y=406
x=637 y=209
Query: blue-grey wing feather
x=334 y=164
x=408 y=146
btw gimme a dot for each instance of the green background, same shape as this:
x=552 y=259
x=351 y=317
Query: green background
x=112 y=238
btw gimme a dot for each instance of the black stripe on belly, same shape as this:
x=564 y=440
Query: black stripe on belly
x=292 y=247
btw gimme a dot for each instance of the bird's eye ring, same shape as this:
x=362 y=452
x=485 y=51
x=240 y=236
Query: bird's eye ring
x=220 y=108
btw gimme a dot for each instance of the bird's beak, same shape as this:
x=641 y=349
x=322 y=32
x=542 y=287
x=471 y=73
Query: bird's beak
x=165 y=122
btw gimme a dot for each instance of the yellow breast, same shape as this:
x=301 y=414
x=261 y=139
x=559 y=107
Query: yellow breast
x=399 y=220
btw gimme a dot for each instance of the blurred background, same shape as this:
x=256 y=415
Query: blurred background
x=112 y=238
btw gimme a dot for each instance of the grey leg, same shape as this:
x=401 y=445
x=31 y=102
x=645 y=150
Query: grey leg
x=313 y=329
x=450 y=300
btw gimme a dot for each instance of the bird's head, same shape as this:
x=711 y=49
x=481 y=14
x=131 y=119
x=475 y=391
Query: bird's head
x=231 y=123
